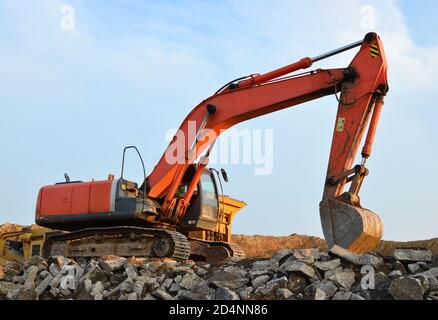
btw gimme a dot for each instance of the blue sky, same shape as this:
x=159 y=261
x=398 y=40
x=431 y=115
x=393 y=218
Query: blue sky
x=131 y=70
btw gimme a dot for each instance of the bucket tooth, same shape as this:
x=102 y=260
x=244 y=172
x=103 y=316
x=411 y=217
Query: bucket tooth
x=353 y=228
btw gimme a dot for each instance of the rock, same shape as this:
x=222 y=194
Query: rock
x=320 y=289
x=281 y=255
x=254 y=274
x=306 y=255
x=19 y=279
x=283 y=293
x=298 y=267
x=11 y=269
x=7 y=288
x=324 y=256
x=30 y=279
x=131 y=271
x=152 y=266
x=191 y=281
x=327 y=265
x=162 y=294
x=245 y=293
x=133 y=296
x=56 y=281
x=432 y=296
x=431 y=273
x=43 y=274
x=238 y=270
x=407 y=288
x=200 y=271
x=400 y=267
x=97 y=289
x=370 y=260
x=381 y=287
x=271 y=264
x=296 y=284
x=264 y=291
x=149 y=297
x=435 y=260
x=167 y=283
x=95 y=273
x=127 y=286
x=259 y=281
x=414 y=268
x=413 y=255
x=54 y=269
x=345 y=295
x=112 y=263
x=44 y=285
x=84 y=290
x=189 y=295
x=395 y=274
x=225 y=294
x=37 y=261
x=98 y=297
x=277 y=283
x=26 y=294
x=231 y=280
x=344 y=279
x=114 y=279
x=174 y=288
x=331 y=272
x=320 y=294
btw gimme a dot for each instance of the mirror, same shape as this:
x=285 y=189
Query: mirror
x=224 y=175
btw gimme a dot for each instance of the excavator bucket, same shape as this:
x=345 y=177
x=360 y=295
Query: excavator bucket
x=349 y=229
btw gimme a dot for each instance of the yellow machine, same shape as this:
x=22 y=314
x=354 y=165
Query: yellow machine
x=18 y=246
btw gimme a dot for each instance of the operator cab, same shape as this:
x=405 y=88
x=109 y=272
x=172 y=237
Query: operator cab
x=204 y=209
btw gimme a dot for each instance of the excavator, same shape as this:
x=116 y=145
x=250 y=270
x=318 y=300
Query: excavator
x=178 y=211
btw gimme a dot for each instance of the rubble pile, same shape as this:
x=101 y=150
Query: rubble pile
x=298 y=274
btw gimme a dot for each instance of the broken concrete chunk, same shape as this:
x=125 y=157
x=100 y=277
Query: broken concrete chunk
x=320 y=290
x=283 y=293
x=30 y=280
x=271 y=264
x=328 y=265
x=112 y=263
x=191 y=281
x=230 y=280
x=43 y=285
x=395 y=274
x=162 y=294
x=413 y=255
x=225 y=294
x=259 y=281
x=298 y=267
x=414 y=268
x=344 y=278
x=407 y=288
x=370 y=260
x=296 y=284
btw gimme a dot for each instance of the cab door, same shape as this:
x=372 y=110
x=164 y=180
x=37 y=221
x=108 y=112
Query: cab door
x=203 y=212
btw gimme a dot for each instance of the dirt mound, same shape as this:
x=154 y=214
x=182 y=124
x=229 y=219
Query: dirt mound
x=386 y=248
x=265 y=246
x=11 y=227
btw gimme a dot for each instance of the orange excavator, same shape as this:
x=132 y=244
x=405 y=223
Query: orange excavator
x=178 y=210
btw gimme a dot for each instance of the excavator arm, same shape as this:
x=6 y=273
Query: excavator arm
x=361 y=88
